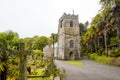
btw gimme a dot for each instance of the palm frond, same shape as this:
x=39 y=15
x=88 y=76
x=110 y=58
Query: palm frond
x=14 y=71
x=2 y=64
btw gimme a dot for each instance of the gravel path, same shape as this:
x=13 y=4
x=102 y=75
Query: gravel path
x=91 y=71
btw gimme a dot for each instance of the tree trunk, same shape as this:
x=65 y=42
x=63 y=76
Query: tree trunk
x=23 y=63
x=118 y=30
x=105 y=39
x=3 y=75
x=116 y=13
x=91 y=46
x=23 y=68
x=95 y=44
x=98 y=44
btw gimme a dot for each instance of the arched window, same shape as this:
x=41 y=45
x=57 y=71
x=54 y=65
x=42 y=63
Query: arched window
x=71 y=43
x=71 y=23
x=61 y=23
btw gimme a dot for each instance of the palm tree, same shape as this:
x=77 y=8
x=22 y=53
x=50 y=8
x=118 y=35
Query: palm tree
x=115 y=5
x=88 y=37
x=7 y=41
x=97 y=30
x=106 y=14
x=3 y=42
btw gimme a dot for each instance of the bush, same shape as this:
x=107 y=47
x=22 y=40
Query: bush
x=102 y=59
x=93 y=56
x=115 y=53
x=115 y=61
x=51 y=69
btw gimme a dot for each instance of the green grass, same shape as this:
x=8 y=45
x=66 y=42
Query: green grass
x=77 y=63
x=37 y=72
x=36 y=75
x=38 y=79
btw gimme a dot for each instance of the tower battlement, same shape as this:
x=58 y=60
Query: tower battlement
x=69 y=16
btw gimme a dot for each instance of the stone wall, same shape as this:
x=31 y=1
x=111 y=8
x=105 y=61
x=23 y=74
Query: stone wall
x=61 y=44
x=67 y=33
x=48 y=52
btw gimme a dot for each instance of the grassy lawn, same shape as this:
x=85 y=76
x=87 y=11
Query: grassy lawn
x=39 y=72
x=38 y=79
x=36 y=75
x=77 y=63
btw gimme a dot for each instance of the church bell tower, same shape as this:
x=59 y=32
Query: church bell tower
x=68 y=37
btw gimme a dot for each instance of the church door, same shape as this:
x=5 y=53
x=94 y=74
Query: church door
x=72 y=56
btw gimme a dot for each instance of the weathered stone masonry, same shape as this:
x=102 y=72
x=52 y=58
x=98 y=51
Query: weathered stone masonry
x=68 y=37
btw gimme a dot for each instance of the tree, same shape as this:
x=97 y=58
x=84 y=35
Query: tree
x=28 y=42
x=103 y=27
x=115 y=5
x=86 y=24
x=25 y=49
x=7 y=41
x=40 y=42
x=38 y=53
x=106 y=15
x=96 y=23
x=55 y=36
x=88 y=38
x=82 y=28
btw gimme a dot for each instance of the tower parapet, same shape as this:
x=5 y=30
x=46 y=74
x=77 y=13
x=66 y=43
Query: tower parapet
x=69 y=16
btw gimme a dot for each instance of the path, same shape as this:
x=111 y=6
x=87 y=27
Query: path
x=91 y=71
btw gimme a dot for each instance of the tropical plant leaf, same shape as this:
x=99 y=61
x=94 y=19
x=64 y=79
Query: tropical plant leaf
x=2 y=64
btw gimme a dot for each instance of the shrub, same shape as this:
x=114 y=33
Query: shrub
x=93 y=56
x=115 y=53
x=115 y=61
x=102 y=59
x=51 y=69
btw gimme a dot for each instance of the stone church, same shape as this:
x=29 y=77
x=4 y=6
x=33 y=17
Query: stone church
x=68 y=37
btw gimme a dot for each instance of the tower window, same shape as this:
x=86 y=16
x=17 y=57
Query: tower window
x=71 y=23
x=71 y=43
x=61 y=23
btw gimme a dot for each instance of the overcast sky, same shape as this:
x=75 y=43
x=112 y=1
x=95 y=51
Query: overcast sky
x=40 y=17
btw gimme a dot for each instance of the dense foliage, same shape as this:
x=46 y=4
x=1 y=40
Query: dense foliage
x=11 y=53
x=103 y=35
x=102 y=38
x=8 y=43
